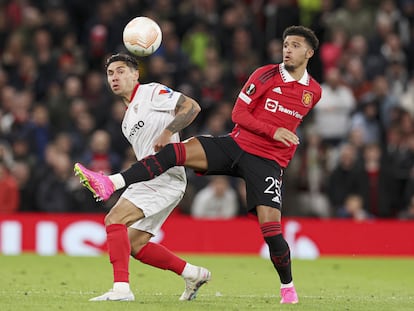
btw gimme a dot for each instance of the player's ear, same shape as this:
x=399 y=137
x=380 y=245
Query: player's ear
x=310 y=53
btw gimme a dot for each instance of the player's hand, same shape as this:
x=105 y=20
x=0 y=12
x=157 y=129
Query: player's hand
x=286 y=137
x=162 y=140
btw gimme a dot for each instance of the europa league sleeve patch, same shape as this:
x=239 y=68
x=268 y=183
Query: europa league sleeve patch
x=250 y=89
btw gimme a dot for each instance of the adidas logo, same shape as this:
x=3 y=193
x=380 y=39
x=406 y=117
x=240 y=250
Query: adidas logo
x=277 y=90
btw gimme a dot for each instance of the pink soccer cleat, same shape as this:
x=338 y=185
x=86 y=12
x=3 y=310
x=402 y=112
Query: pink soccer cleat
x=289 y=295
x=98 y=183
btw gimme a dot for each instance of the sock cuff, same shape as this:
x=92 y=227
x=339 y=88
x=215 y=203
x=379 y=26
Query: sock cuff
x=115 y=227
x=141 y=251
x=180 y=153
x=271 y=228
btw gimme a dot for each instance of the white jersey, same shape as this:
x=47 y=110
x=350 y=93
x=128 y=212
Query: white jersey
x=151 y=109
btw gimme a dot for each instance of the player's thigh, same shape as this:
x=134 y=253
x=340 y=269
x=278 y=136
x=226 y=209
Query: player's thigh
x=195 y=156
x=123 y=212
x=263 y=186
x=220 y=155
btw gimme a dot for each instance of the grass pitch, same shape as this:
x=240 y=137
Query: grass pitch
x=31 y=282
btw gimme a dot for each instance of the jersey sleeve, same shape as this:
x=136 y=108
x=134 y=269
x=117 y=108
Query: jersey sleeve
x=163 y=98
x=249 y=96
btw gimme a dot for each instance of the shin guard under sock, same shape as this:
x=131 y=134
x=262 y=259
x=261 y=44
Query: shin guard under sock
x=154 y=165
x=160 y=257
x=119 y=250
x=279 y=250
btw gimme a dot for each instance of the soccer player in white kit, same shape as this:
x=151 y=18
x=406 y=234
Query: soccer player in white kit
x=153 y=112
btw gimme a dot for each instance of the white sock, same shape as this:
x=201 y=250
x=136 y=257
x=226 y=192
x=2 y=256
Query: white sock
x=189 y=271
x=121 y=287
x=117 y=180
x=286 y=285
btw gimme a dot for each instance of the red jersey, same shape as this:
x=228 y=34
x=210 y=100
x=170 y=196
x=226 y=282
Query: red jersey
x=272 y=98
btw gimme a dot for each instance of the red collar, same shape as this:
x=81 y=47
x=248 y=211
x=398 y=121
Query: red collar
x=134 y=91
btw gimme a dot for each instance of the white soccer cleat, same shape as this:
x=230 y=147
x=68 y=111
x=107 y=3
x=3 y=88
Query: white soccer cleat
x=192 y=285
x=112 y=295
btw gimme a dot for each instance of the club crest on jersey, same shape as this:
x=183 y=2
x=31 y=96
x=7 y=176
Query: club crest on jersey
x=307 y=98
x=250 y=89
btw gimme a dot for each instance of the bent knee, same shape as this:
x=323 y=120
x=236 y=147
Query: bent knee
x=124 y=212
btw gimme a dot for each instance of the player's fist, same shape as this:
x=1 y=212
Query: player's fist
x=162 y=140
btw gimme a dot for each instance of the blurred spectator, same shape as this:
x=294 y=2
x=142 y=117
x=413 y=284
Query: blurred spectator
x=176 y=59
x=60 y=100
x=367 y=120
x=406 y=99
x=97 y=97
x=274 y=51
x=81 y=132
x=218 y=200
x=355 y=78
x=354 y=208
x=195 y=42
x=385 y=99
x=119 y=144
x=354 y=17
x=278 y=16
x=45 y=57
x=99 y=156
x=40 y=131
x=53 y=192
x=399 y=23
x=312 y=172
x=215 y=125
x=408 y=213
x=332 y=49
x=9 y=191
x=332 y=115
x=375 y=183
x=344 y=179
x=22 y=173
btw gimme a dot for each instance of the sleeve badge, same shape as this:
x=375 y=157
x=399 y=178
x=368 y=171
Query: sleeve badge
x=250 y=89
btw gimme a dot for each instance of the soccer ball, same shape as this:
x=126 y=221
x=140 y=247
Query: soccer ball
x=142 y=36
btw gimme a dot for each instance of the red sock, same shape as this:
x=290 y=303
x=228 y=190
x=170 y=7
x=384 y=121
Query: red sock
x=119 y=250
x=160 y=257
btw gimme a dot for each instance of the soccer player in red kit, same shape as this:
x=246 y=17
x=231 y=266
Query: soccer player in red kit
x=268 y=110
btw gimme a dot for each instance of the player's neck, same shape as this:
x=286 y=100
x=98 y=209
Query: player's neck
x=297 y=73
x=125 y=100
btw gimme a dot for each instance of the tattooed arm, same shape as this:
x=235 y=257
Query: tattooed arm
x=186 y=111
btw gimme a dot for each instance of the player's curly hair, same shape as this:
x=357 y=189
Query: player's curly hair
x=304 y=32
x=122 y=57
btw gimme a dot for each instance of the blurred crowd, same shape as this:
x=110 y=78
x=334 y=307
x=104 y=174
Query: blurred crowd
x=356 y=157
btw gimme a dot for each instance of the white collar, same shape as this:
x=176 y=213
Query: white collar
x=286 y=77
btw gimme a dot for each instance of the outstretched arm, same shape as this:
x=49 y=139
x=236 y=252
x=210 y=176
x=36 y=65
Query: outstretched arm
x=186 y=111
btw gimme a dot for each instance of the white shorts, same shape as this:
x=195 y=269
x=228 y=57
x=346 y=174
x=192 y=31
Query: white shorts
x=156 y=198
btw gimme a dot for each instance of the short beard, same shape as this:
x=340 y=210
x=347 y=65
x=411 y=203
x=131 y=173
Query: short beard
x=289 y=68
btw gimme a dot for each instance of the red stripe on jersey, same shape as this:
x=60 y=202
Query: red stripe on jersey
x=268 y=74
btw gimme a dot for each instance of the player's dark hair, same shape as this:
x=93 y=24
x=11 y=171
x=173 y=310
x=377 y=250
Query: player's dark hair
x=122 y=57
x=304 y=32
